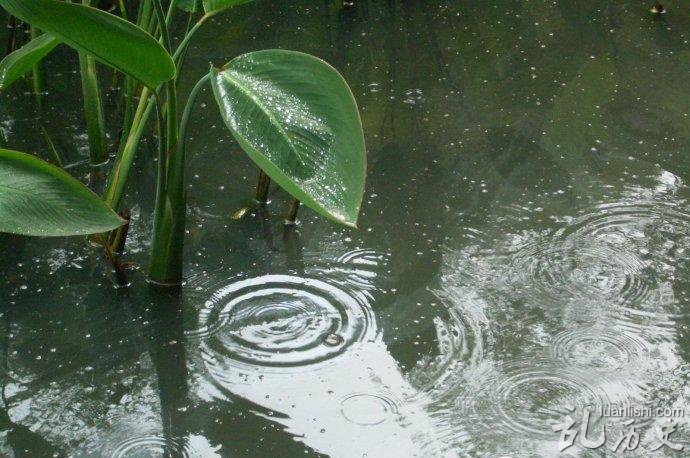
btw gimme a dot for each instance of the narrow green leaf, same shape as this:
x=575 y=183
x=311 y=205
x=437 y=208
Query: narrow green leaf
x=110 y=39
x=295 y=116
x=37 y=198
x=216 y=6
x=18 y=63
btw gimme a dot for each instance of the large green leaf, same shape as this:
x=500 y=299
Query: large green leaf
x=37 y=198
x=17 y=63
x=216 y=6
x=108 y=38
x=295 y=116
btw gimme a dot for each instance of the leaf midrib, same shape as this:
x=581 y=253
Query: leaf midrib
x=246 y=91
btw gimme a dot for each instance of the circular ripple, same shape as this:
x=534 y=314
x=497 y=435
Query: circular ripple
x=360 y=267
x=598 y=349
x=157 y=446
x=630 y=219
x=368 y=409
x=282 y=321
x=528 y=398
x=584 y=269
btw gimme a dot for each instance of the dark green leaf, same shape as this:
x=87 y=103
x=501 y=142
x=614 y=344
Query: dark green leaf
x=37 y=198
x=16 y=64
x=295 y=116
x=108 y=38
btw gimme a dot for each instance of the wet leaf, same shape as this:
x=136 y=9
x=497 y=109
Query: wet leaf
x=19 y=62
x=108 y=38
x=37 y=198
x=295 y=116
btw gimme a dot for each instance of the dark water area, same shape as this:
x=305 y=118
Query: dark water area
x=522 y=254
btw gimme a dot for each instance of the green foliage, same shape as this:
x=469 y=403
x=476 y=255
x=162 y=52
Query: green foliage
x=93 y=109
x=108 y=38
x=295 y=116
x=17 y=64
x=37 y=198
x=292 y=113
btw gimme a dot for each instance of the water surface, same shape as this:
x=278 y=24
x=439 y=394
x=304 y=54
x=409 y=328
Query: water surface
x=524 y=249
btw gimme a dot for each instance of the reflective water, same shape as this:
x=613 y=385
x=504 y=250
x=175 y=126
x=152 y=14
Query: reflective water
x=523 y=251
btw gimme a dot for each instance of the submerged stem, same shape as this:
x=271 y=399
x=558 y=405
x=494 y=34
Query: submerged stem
x=262 y=188
x=291 y=217
x=165 y=264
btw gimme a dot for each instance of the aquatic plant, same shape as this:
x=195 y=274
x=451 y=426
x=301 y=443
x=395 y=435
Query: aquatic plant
x=37 y=198
x=292 y=113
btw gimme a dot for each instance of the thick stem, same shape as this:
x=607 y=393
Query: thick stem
x=93 y=110
x=291 y=217
x=165 y=264
x=119 y=236
x=262 y=188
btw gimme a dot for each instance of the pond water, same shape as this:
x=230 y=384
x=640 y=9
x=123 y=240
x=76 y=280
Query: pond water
x=523 y=252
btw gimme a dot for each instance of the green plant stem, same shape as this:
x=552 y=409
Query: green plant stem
x=262 y=188
x=132 y=132
x=93 y=107
x=123 y=163
x=93 y=110
x=187 y=112
x=37 y=74
x=51 y=147
x=178 y=56
x=165 y=264
x=291 y=217
x=123 y=8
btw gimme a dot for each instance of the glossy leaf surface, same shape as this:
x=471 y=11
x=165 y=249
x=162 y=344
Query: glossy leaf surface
x=108 y=38
x=37 y=198
x=297 y=119
x=18 y=63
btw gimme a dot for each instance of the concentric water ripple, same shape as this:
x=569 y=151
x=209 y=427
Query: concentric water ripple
x=356 y=270
x=590 y=270
x=366 y=409
x=630 y=219
x=282 y=321
x=529 y=397
x=599 y=349
x=155 y=446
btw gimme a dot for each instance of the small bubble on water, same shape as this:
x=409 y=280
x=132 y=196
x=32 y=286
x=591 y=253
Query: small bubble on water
x=333 y=340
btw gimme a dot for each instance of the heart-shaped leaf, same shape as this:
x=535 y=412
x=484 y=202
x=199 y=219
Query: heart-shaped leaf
x=17 y=63
x=216 y=6
x=295 y=116
x=37 y=198
x=108 y=38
